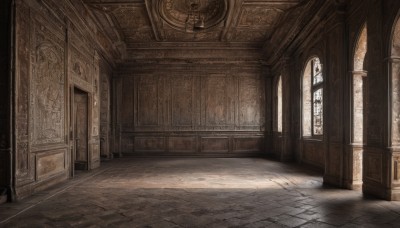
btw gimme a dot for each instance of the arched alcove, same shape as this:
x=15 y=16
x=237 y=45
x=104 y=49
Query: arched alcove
x=359 y=77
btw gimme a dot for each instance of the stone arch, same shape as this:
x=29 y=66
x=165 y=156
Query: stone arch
x=394 y=68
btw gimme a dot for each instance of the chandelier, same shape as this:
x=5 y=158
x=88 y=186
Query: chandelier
x=195 y=19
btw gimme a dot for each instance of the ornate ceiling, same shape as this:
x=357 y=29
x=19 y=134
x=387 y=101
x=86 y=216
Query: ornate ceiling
x=151 y=24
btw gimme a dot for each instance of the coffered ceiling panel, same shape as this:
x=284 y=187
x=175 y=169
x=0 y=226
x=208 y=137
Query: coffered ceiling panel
x=154 y=23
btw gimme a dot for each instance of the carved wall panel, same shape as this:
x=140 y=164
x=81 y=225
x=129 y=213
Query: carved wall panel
x=105 y=115
x=127 y=143
x=248 y=144
x=127 y=91
x=149 y=144
x=81 y=66
x=48 y=87
x=148 y=97
x=251 y=98
x=215 y=144
x=96 y=100
x=22 y=89
x=182 y=99
x=219 y=103
x=41 y=89
x=188 y=111
x=50 y=164
x=181 y=144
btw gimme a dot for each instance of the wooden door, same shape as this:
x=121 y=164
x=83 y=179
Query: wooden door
x=80 y=125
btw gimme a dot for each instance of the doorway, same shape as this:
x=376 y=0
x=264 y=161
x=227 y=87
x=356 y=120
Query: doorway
x=79 y=127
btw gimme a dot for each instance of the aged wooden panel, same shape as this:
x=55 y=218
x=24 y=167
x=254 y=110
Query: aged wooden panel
x=126 y=113
x=147 y=100
x=105 y=115
x=182 y=144
x=201 y=103
x=218 y=106
x=49 y=164
x=48 y=90
x=248 y=144
x=22 y=87
x=149 y=144
x=81 y=66
x=250 y=98
x=215 y=144
x=127 y=143
x=81 y=126
x=182 y=101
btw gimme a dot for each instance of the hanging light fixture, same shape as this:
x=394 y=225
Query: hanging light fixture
x=194 y=20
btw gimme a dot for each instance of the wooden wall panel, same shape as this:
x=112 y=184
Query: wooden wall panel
x=50 y=163
x=128 y=94
x=215 y=144
x=148 y=109
x=182 y=103
x=55 y=53
x=182 y=144
x=218 y=109
x=182 y=111
x=149 y=144
x=250 y=101
x=248 y=144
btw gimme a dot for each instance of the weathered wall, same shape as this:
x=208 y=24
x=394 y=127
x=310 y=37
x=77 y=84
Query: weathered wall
x=192 y=109
x=55 y=52
x=381 y=155
x=105 y=110
x=344 y=151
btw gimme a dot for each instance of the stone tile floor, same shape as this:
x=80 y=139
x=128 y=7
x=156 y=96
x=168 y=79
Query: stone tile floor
x=199 y=192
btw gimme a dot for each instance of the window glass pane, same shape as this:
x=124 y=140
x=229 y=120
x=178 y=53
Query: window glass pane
x=317 y=71
x=318 y=112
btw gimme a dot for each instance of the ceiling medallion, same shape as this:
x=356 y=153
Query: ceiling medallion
x=193 y=15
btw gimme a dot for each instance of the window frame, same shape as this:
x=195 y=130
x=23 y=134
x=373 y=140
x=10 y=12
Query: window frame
x=308 y=76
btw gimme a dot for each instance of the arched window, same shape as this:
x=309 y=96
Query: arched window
x=279 y=104
x=313 y=98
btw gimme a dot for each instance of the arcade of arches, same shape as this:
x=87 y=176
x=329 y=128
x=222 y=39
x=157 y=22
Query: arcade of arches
x=88 y=81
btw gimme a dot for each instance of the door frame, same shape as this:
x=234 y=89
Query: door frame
x=72 y=129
